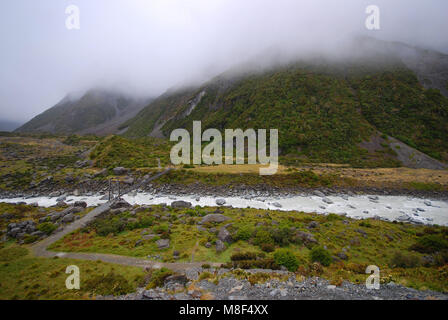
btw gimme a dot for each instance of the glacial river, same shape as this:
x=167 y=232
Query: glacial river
x=400 y=208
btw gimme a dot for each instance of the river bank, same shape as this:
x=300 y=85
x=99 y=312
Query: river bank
x=403 y=208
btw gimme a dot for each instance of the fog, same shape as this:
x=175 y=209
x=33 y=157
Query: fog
x=143 y=47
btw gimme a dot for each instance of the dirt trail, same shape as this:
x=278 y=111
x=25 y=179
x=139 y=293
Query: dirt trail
x=40 y=249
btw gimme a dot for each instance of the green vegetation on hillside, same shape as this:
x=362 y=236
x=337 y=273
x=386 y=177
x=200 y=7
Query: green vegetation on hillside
x=116 y=151
x=322 y=112
x=341 y=247
x=396 y=104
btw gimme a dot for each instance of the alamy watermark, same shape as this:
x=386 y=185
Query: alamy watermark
x=73 y=280
x=373 y=281
x=373 y=20
x=72 y=22
x=213 y=152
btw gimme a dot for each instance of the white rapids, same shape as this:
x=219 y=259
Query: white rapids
x=400 y=208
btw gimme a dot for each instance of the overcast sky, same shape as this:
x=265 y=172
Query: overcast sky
x=147 y=46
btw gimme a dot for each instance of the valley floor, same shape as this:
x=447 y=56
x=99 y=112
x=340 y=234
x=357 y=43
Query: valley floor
x=214 y=232
x=180 y=248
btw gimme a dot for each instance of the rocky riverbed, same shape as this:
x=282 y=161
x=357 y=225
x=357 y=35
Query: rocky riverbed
x=386 y=207
x=229 y=287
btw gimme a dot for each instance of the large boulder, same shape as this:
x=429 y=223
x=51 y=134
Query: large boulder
x=220 y=202
x=180 y=204
x=14 y=232
x=220 y=246
x=318 y=193
x=128 y=180
x=68 y=218
x=120 y=204
x=101 y=173
x=224 y=235
x=81 y=204
x=163 y=243
x=306 y=238
x=177 y=278
x=54 y=194
x=217 y=218
x=38 y=234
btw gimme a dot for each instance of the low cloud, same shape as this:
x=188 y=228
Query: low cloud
x=143 y=47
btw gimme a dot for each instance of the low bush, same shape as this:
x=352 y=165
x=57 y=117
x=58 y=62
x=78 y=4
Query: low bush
x=263 y=237
x=30 y=239
x=333 y=217
x=259 y=277
x=267 y=247
x=110 y=284
x=430 y=243
x=441 y=258
x=47 y=227
x=104 y=227
x=287 y=259
x=240 y=256
x=158 y=278
x=204 y=276
x=244 y=233
x=319 y=254
x=282 y=237
x=161 y=228
x=142 y=223
x=402 y=260
x=253 y=264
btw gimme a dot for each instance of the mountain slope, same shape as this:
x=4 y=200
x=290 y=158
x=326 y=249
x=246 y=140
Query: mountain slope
x=324 y=109
x=97 y=111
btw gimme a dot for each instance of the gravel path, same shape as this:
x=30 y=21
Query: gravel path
x=40 y=249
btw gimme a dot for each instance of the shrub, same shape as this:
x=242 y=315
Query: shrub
x=316 y=269
x=165 y=235
x=365 y=224
x=158 y=278
x=319 y=254
x=259 y=278
x=104 y=227
x=262 y=237
x=253 y=264
x=441 y=258
x=430 y=243
x=143 y=222
x=30 y=239
x=206 y=266
x=402 y=260
x=267 y=247
x=282 y=236
x=244 y=233
x=161 y=228
x=243 y=256
x=47 y=227
x=286 y=258
x=111 y=284
x=333 y=217
x=205 y=275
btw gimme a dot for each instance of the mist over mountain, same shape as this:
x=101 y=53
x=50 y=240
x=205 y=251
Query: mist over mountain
x=339 y=108
x=144 y=47
x=97 y=111
x=6 y=125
